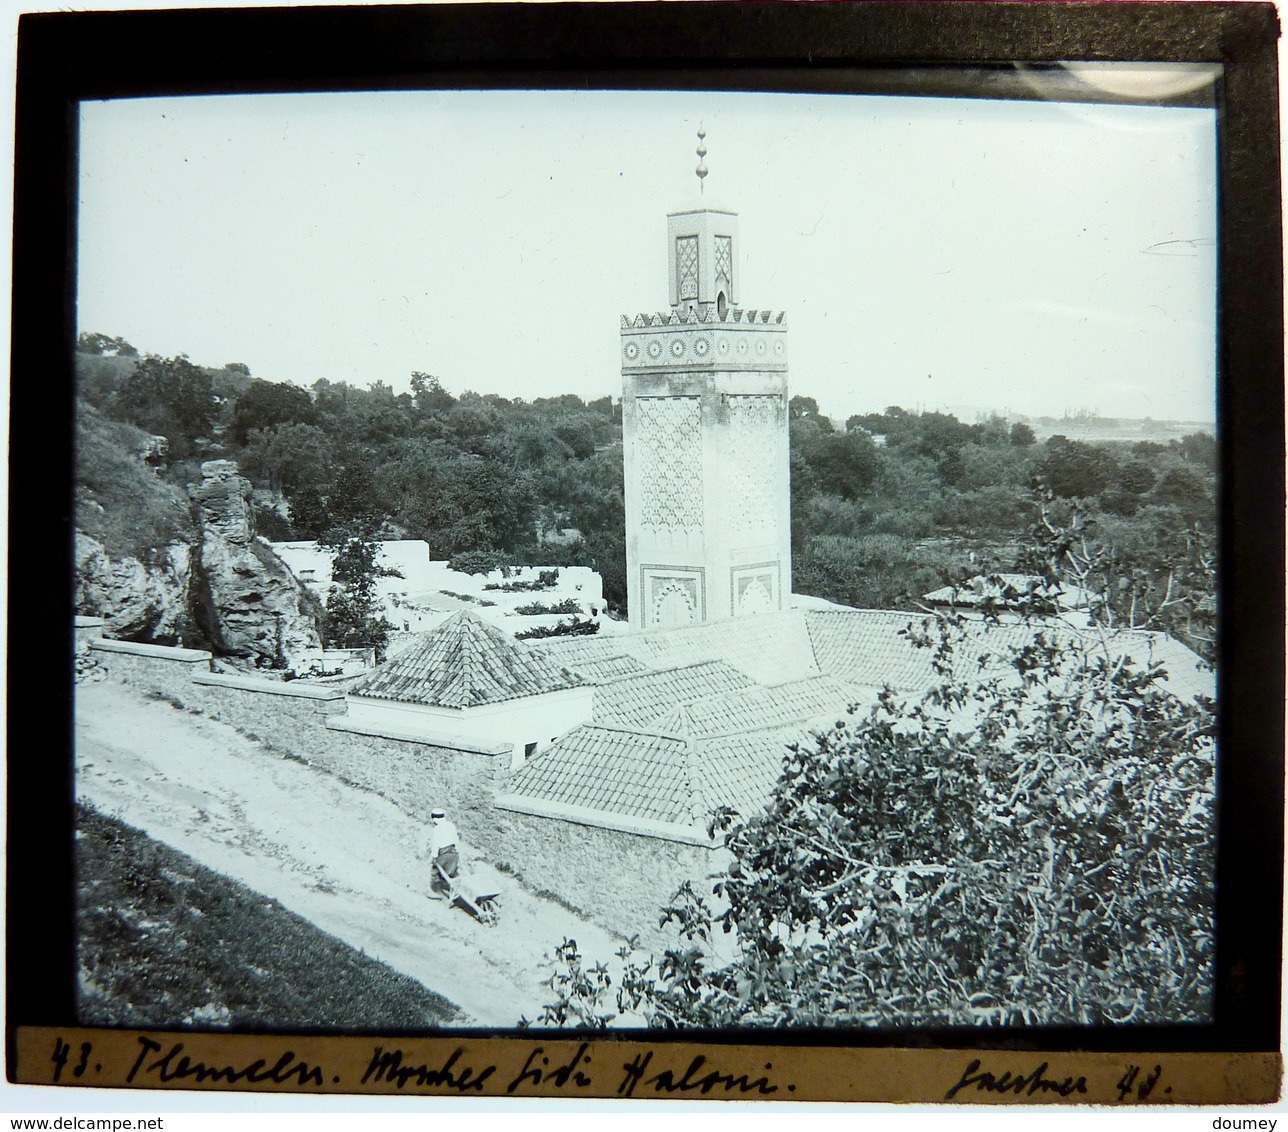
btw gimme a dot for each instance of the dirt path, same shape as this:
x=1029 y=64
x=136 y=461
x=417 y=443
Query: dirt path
x=340 y=856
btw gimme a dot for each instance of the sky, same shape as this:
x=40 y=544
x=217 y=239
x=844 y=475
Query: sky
x=1027 y=258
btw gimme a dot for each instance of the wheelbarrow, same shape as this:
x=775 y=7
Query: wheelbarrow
x=483 y=906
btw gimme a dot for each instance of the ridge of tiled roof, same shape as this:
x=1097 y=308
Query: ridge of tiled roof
x=610 y=668
x=640 y=698
x=758 y=708
x=612 y=770
x=661 y=778
x=867 y=649
x=465 y=662
x=678 y=722
x=770 y=648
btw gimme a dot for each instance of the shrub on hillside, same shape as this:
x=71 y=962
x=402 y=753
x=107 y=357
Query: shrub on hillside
x=482 y=561
x=119 y=500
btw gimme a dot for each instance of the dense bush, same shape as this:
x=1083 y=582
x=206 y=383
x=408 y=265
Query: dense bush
x=1031 y=842
x=573 y=627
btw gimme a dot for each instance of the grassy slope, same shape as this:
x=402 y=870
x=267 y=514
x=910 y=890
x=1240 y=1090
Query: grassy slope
x=164 y=941
x=120 y=501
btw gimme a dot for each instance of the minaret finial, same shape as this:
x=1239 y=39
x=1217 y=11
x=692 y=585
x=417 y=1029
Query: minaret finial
x=701 y=170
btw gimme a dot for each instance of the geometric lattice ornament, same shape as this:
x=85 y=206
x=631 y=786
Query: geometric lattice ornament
x=669 y=458
x=754 y=432
x=686 y=267
x=724 y=258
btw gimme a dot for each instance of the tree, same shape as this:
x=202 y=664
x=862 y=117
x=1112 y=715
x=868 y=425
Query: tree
x=353 y=608
x=287 y=457
x=267 y=404
x=94 y=343
x=843 y=463
x=806 y=409
x=1073 y=469
x=1031 y=842
x=429 y=395
x=169 y=397
x=1022 y=435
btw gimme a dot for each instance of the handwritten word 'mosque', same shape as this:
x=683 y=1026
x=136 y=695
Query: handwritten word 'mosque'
x=389 y=1066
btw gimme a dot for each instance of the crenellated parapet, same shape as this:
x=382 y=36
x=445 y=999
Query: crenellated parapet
x=739 y=339
x=731 y=315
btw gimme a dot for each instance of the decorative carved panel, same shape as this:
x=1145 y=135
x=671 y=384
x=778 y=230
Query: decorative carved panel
x=754 y=433
x=755 y=596
x=673 y=602
x=668 y=453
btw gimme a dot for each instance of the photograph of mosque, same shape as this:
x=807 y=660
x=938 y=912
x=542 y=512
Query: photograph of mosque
x=766 y=539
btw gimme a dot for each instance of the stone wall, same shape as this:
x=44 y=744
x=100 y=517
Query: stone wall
x=154 y=668
x=619 y=879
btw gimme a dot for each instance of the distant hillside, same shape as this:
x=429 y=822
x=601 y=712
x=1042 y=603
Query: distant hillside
x=1126 y=430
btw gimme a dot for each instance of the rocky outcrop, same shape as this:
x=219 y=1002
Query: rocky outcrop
x=137 y=601
x=244 y=597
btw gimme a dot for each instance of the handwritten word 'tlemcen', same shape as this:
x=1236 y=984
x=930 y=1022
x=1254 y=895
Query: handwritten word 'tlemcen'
x=1026 y=1085
x=389 y=1067
x=692 y=1079
x=173 y=1067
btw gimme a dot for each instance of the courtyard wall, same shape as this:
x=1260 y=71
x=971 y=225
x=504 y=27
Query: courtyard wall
x=619 y=879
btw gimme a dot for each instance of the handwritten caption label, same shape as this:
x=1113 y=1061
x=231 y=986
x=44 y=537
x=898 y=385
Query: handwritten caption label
x=159 y=1062
x=607 y=1066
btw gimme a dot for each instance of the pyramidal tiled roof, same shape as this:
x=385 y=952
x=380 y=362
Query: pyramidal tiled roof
x=637 y=700
x=465 y=662
x=614 y=771
x=671 y=779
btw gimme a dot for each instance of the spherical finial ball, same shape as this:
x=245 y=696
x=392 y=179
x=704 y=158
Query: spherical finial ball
x=701 y=171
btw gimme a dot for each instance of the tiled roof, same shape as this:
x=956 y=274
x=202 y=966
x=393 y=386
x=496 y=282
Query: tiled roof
x=615 y=771
x=601 y=671
x=757 y=708
x=865 y=647
x=660 y=778
x=727 y=747
x=639 y=699
x=1187 y=674
x=740 y=771
x=768 y=647
x=465 y=662
x=576 y=651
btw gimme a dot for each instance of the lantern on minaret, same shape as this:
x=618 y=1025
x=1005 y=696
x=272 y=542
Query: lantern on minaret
x=704 y=429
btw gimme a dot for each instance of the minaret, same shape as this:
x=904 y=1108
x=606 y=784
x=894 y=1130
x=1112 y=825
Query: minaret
x=704 y=426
